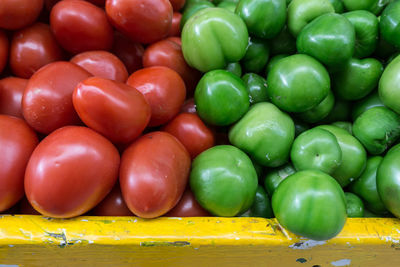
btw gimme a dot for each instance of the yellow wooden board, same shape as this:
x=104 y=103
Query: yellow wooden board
x=130 y=241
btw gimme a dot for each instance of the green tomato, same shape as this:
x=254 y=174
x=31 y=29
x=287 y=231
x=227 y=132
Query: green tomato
x=275 y=176
x=389 y=23
x=355 y=206
x=234 y=68
x=389 y=85
x=365 y=186
x=256 y=56
x=370 y=101
x=310 y=204
x=375 y=6
x=337 y=5
x=231 y=6
x=265 y=133
x=316 y=149
x=357 y=78
x=261 y=206
x=302 y=12
x=192 y=9
x=388 y=180
x=354 y=156
x=377 y=129
x=339 y=112
x=320 y=111
x=298 y=83
x=264 y=18
x=224 y=180
x=345 y=125
x=330 y=45
x=366 y=26
x=221 y=98
x=213 y=38
x=283 y=43
x=256 y=87
x=272 y=62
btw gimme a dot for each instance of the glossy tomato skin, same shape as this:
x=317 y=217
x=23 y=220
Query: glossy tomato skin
x=175 y=29
x=144 y=21
x=80 y=26
x=158 y=84
x=47 y=100
x=154 y=173
x=116 y=110
x=16 y=14
x=129 y=52
x=32 y=48
x=17 y=141
x=4 y=47
x=11 y=91
x=188 y=207
x=70 y=172
x=112 y=205
x=102 y=64
x=191 y=132
x=169 y=54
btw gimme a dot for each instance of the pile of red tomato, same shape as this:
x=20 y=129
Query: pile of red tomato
x=95 y=98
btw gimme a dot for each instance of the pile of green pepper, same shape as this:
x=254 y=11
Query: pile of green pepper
x=309 y=93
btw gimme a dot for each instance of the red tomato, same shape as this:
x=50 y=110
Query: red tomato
x=17 y=141
x=188 y=207
x=70 y=172
x=113 y=205
x=154 y=173
x=80 y=26
x=191 y=132
x=189 y=106
x=176 y=25
x=3 y=50
x=32 y=48
x=116 y=110
x=11 y=91
x=169 y=54
x=47 y=100
x=26 y=208
x=163 y=88
x=16 y=14
x=177 y=4
x=144 y=21
x=102 y=64
x=129 y=52
x=175 y=39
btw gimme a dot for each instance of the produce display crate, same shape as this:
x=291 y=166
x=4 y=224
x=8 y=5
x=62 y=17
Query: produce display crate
x=32 y=240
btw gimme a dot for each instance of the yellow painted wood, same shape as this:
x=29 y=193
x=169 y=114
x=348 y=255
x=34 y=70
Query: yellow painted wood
x=130 y=241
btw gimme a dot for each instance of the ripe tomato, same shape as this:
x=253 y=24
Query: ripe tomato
x=128 y=52
x=169 y=54
x=116 y=110
x=176 y=25
x=191 y=132
x=175 y=39
x=32 y=48
x=154 y=173
x=11 y=91
x=70 y=172
x=102 y=64
x=189 y=106
x=177 y=4
x=113 y=204
x=188 y=207
x=47 y=100
x=17 y=141
x=158 y=84
x=16 y=14
x=144 y=21
x=80 y=26
x=3 y=50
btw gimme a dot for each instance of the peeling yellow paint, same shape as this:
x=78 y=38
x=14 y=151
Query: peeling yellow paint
x=127 y=241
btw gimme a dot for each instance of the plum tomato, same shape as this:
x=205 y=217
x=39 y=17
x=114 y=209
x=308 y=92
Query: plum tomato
x=176 y=25
x=16 y=14
x=112 y=205
x=188 y=207
x=11 y=91
x=129 y=52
